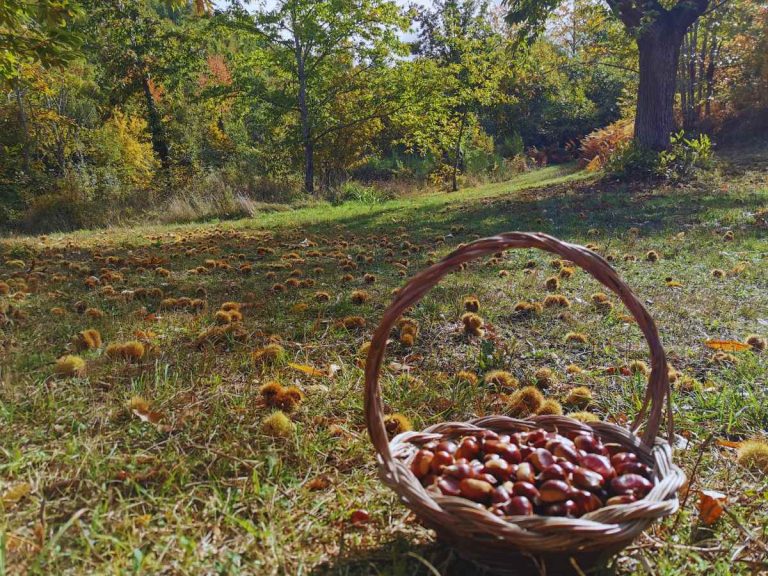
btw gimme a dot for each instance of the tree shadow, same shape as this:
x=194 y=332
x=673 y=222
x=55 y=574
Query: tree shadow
x=400 y=557
x=566 y=210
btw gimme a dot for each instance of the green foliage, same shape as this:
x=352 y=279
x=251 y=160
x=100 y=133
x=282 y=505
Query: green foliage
x=685 y=157
x=39 y=31
x=133 y=105
x=353 y=191
x=681 y=162
x=631 y=161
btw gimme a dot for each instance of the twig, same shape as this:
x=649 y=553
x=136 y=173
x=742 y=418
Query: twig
x=751 y=537
x=692 y=479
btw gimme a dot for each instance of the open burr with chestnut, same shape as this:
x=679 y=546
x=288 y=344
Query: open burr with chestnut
x=533 y=472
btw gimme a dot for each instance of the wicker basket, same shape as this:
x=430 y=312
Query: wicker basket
x=529 y=544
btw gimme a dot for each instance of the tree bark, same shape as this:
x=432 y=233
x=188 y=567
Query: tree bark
x=659 y=50
x=457 y=153
x=159 y=143
x=306 y=128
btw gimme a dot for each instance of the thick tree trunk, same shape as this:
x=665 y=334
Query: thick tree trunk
x=159 y=143
x=306 y=128
x=659 y=50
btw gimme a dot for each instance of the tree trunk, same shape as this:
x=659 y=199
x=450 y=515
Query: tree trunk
x=710 y=76
x=306 y=128
x=457 y=153
x=25 y=143
x=659 y=50
x=159 y=143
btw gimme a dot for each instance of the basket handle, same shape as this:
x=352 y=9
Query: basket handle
x=658 y=382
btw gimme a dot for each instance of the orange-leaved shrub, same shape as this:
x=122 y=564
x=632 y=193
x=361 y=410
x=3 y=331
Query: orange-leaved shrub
x=600 y=144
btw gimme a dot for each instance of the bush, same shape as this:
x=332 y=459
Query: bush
x=684 y=157
x=61 y=211
x=679 y=163
x=352 y=191
x=631 y=161
x=598 y=146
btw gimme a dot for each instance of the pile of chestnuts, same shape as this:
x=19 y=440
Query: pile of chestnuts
x=533 y=472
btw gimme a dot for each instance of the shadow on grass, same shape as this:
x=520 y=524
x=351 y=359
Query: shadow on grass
x=399 y=557
x=567 y=210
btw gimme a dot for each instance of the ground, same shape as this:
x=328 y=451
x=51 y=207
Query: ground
x=158 y=460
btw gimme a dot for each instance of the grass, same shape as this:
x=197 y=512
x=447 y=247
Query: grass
x=161 y=464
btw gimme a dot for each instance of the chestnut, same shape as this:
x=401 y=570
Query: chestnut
x=440 y=461
x=553 y=472
x=499 y=469
x=554 y=491
x=446 y=446
x=566 y=452
x=469 y=448
x=541 y=458
x=421 y=463
x=585 y=501
x=476 y=490
x=586 y=479
x=459 y=471
x=588 y=444
x=631 y=484
x=525 y=472
x=633 y=468
x=623 y=457
x=500 y=495
x=599 y=464
x=525 y=489
x=449 y=486
x=623 y=499
x=566 y=508
x=535 y=436
x=519 y=506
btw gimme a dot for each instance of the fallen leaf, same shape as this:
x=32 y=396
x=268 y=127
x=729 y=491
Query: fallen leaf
x=398 y=367
x=308 y=370
x=16 y=493
x=318 y=483
x=727 y=345
x=728 y=443
x=710 y=506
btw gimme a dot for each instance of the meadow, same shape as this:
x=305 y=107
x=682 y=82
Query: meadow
x=140 y=432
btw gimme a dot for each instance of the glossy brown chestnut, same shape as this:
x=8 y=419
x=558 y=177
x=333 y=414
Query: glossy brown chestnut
x=519 y=506
x=422 y=462
x=476 y=490
x=631 y=484
x=554 y=491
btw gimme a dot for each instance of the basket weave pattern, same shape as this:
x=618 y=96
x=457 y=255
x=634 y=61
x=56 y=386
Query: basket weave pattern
x=478 y=534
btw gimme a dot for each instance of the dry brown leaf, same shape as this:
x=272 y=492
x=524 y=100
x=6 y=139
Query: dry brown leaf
x=318 y=483
x=16 y=492
x=727 y=345
x=308 y=370
x=141 y=408
x=711 y=505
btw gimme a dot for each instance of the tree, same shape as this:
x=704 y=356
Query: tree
x=139 y=45
x=457 y=34
x=658 y=32
x=34 y=32
x=314 y=52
